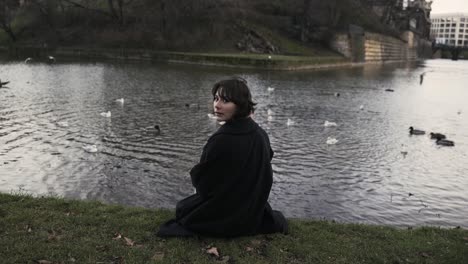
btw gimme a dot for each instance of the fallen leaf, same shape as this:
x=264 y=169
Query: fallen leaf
x=424 y=254
x=117 y=236
x=42 y=261
x=129 y=242
x=52 y=235
x=248 y=249
x=158 y=256
x=256 y=242
x=224 y=259
x=213 y=251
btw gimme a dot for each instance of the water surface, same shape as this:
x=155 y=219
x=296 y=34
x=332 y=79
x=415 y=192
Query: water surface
x=49 y=112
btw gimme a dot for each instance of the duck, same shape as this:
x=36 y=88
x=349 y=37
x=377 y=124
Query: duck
x=90 y=148
x=106 y=114
x=329 y=124
x=445 y=142
x=120 y=100
x=389 y=90
x=331 y=141
x=413 y=131
x=437 y=136
x=3 y=83
x=50 y=59
x=336 y=94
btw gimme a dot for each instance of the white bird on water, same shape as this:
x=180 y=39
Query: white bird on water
x=120 y=100
x=329 y=124
x=90 y=148
x=106 y=114
x=331 y=141
x=270 y=89
x=361 y=107
x=62 y=124
x=290 y=122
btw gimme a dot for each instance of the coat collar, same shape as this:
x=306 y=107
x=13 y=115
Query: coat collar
x=238 y=126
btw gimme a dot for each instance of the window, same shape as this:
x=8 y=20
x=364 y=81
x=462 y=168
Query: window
x=447 y=30
x=442 y=25
x=446 y=35
x=460 y=36
x=447 y=25
x=453 y=30
x=462 y=25
x=452 y=35
x=462 y=19
x=454 y=25
x=461 y=30
x=460 y=42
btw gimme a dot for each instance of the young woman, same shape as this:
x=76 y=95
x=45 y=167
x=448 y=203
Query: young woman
x=234 y=176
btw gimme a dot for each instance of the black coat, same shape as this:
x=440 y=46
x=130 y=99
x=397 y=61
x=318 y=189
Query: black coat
x=233 y=181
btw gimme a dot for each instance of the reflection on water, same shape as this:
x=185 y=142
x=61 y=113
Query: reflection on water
x=375 y=173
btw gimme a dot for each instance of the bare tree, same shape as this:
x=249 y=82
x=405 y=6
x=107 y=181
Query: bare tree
x=8 y=9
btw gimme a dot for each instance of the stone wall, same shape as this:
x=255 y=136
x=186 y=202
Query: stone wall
x=380 y=48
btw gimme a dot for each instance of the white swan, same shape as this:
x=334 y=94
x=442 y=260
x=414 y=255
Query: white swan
x=120 y=100
x=290 y=122
x=331 y=140
x=90 y=148
x=270 y=89
x=329 y=124
x=106 y=114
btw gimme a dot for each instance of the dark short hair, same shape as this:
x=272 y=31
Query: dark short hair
x=236 y=91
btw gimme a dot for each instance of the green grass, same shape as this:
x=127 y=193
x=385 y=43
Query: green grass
x=67 y=231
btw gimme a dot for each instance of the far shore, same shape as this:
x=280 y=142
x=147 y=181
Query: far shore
x=231 y=60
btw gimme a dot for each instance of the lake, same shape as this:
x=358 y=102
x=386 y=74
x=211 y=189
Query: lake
x=376 y=173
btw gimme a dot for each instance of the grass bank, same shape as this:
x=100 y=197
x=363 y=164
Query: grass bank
x=54 y=230
x=238 y=60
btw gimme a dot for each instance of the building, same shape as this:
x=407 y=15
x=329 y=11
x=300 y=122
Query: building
x=450 y=29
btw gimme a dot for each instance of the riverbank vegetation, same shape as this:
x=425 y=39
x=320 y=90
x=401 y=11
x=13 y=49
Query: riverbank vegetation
x=293 y=27
x=55 y=230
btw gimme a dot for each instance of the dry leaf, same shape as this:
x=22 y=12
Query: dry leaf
x=224 y=259
x=129 y=242
x=158 y=256
x=424 y=254
x=42 y=261
x=117 y=236
x=248 y=249
x=213 y=251
x=256 y=242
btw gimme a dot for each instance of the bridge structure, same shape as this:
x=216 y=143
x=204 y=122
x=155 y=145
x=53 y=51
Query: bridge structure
x=455 y=51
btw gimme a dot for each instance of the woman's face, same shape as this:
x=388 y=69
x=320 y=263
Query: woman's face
x=223 y=109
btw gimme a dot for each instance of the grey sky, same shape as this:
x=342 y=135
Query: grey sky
x=449 y=6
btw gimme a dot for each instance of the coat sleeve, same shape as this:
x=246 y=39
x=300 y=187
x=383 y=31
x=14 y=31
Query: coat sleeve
x=218 y=165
